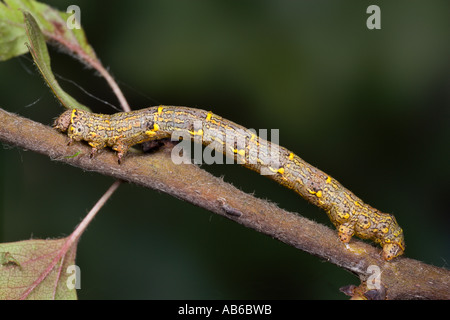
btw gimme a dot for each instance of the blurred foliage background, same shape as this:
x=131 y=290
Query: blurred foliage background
x=371 y=108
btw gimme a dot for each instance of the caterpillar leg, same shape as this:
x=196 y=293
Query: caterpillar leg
x=95 y=147
x=93 y=152
x=121 y=149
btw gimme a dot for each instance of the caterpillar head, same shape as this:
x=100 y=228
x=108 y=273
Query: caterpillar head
x=62 y=123
x=394 y=248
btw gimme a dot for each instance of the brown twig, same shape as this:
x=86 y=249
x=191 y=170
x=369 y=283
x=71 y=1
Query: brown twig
x=401 y=278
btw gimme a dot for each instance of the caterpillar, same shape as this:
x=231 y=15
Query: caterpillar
x=350 y=215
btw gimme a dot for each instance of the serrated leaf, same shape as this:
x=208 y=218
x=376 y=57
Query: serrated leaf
x=52 y=23
x=36 y=270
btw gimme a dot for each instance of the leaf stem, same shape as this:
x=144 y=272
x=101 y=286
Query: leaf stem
x=100 y=203
x=113 y=84
x=71 y=241
x=94 y=62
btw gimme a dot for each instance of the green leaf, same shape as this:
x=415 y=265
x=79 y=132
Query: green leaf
x=38 y=48
x=12 y=32
x=37 y=269
x=52 y=22
x=39 y=52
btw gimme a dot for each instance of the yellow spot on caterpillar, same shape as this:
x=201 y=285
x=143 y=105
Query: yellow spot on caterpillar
x=291 y=156
x=318 y=194
x=208 y=116
x=240 y=152
x=160 y=110
x=344 y=215
x=328 y=179
x=196 y=133
x=281 y=170
x=150 y=133
x=72 y=115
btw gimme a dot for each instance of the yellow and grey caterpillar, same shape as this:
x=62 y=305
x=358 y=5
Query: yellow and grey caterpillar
x=349 y=214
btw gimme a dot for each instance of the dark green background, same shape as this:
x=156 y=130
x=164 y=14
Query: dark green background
x=371 y=108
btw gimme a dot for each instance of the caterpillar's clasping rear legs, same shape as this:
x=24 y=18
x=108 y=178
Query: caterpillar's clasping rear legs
x=345 y=233
x=392 y=250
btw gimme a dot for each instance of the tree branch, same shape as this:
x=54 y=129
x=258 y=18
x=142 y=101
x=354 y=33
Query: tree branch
x=401 y=278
